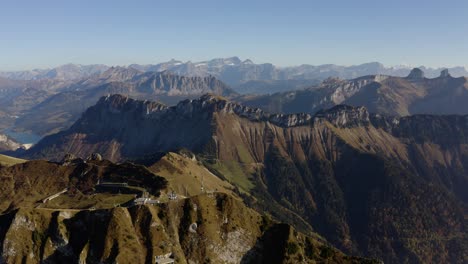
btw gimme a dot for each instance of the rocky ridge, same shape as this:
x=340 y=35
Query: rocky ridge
x=341 y=115
x=382 y=94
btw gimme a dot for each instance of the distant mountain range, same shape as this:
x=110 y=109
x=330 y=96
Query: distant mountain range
x=235 y=71
x=64 y=72
x=384 y=187
x=47 y=101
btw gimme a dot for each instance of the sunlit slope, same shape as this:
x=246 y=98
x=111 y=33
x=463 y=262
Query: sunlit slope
x=8 y=161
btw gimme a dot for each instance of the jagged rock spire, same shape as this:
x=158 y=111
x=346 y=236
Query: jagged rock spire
x=416 y=74
x=444 y=73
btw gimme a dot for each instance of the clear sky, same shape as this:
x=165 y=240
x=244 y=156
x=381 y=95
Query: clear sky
x=49 y=33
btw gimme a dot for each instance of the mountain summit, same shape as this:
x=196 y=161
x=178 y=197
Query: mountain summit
x=444 y=73
x=416 y=74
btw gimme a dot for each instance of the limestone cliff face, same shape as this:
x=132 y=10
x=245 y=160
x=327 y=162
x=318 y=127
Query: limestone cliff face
x=174 y=85
x=156 y=83
x=343 y=115
x=343 y=90
x=133 y=128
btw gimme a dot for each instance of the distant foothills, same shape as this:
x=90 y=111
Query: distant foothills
x=234 y=71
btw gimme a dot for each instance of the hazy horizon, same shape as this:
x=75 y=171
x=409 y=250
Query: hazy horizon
x=242 y=59
x=45 y=34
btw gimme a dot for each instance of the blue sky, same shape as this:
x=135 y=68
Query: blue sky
x=38 y=34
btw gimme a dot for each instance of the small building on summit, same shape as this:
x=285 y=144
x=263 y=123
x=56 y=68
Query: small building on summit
x=172 y=196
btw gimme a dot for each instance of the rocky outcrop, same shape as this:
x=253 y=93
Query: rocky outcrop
x=345 y=116
x=119 y=103
x=175 y=85
x=155 y=83
x=416 y=74
x=444 y=73
x=340 y=90
x=116 y=74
